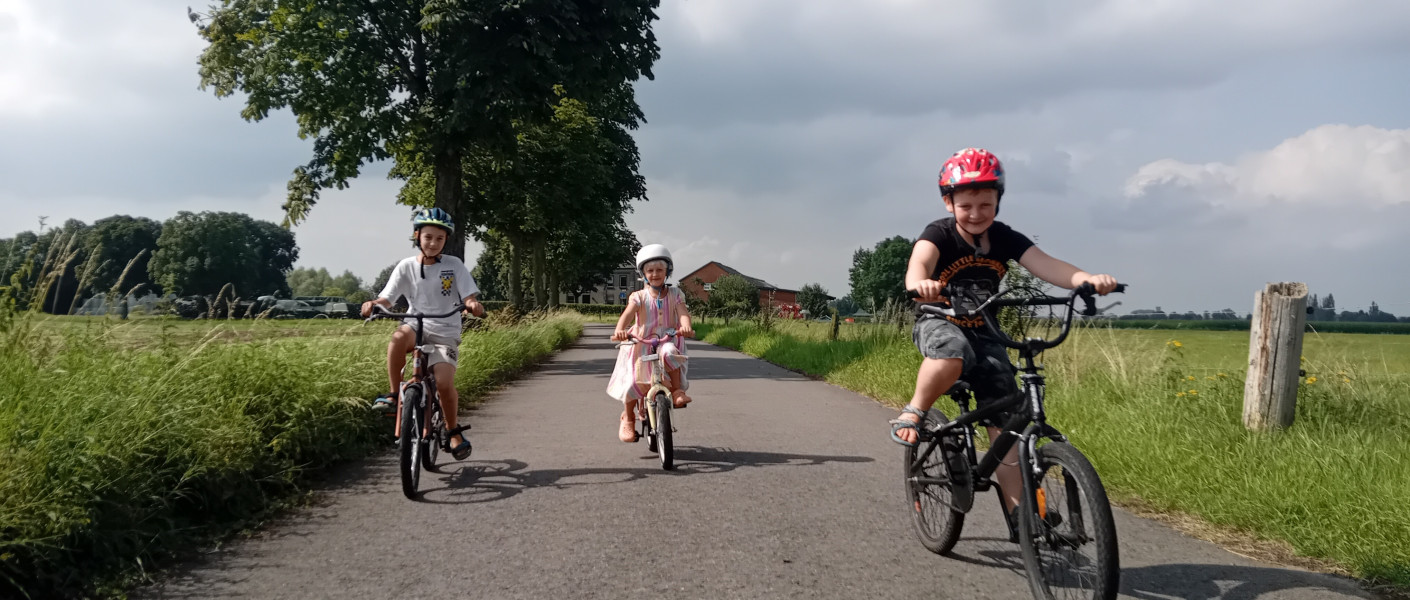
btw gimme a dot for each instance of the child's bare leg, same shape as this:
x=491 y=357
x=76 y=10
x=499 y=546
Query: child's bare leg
x=403 y=339
x=445 y=390
x=1007 y=472
x=935 y=377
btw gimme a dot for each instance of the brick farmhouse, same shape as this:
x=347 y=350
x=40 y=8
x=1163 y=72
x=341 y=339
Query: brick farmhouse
x=713 y=271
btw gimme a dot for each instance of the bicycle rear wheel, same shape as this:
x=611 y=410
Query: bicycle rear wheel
x=436 y=430
x=411 y=416
x=930 y=493
x=1068 y=542
x=664 y=446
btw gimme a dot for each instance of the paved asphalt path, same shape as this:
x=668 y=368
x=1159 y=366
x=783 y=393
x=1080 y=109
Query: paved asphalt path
x=785 y=488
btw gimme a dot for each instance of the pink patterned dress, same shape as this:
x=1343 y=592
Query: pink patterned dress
x=653 y=317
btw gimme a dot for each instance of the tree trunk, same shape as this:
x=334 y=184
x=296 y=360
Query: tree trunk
x=448 y=196
x=516 y=273
x=553 y=288
x=540 y=299
x=1274 y=358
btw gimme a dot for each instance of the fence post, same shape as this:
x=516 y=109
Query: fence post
x=1274 y=354
x=835 y=319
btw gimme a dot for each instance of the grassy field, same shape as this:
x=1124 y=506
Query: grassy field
x=123 y=443
x=1158 y=412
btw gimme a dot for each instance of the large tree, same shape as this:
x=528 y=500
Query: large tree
x=421 y=81
x=879 y=273
x=116 y=241
x=550 y=209
x=198 y=253
x=813 y=298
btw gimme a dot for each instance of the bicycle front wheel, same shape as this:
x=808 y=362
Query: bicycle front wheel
x=411 y=416
x=1066 y=532
x=931 y=493
x=664 y=446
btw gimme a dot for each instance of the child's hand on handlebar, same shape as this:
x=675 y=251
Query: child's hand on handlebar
x=686 y=332
x=929 y=290
x=367 y=308
x=619 y=335
x=1104 y=283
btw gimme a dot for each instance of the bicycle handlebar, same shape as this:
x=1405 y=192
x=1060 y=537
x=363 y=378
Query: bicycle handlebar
x=670 y=333
x=1086 y=291
x=379 y=312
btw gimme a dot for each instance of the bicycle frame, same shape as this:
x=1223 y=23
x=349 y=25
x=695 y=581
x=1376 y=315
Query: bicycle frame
x=1025 y=427
x=658 y=371
x=421 y=373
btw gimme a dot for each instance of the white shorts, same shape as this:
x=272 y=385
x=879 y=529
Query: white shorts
x=443 y=349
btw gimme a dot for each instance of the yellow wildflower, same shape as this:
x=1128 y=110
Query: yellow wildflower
x=1209 y=377
x=1189 y=378
x=1346 y=380
x=1194 y=392
x=1179 y=394
x=1223 y=374
x=1311 y=380
x=1177 y=344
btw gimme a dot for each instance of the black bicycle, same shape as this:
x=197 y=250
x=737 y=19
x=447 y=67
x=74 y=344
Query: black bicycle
x=422 y=433
x=1063 y=522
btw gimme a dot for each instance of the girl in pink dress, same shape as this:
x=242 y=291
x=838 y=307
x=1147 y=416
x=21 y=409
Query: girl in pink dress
x=649 y=313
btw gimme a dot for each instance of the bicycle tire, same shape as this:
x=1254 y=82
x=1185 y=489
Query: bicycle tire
x=933 y=516
x=410 y=439
x=664 y=446
x=431 y=446
x=1048 y=549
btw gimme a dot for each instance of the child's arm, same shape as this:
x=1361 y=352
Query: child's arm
x=684 y=329
x=1061 y=273
x=620 y=334
x=924 y=255
x=472 y=302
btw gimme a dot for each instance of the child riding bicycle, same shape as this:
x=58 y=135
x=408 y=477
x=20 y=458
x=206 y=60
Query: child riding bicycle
x=449 y=285
x=654 y=309
x=972 y=246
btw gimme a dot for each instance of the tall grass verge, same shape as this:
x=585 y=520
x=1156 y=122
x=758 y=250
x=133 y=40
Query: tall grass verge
x=1160 y=419
x=119 y=449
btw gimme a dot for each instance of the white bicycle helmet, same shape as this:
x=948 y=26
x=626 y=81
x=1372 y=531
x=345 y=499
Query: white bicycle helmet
x=652 y=252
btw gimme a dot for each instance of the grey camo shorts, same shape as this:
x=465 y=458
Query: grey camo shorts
x=987 y=369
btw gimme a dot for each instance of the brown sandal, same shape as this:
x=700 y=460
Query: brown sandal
x=679 y=399
x=627 y=432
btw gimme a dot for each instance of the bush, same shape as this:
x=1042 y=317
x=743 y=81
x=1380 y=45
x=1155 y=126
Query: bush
x=115 y=452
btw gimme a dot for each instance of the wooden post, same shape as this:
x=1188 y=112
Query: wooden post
x=1274 y=354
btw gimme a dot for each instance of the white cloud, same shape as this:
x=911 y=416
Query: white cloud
x=1333 y=165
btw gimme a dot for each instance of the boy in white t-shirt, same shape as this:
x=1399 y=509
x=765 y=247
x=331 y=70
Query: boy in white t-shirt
x=431 y=283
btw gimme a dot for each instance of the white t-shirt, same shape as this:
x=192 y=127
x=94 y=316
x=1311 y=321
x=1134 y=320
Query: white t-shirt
x=447 y=284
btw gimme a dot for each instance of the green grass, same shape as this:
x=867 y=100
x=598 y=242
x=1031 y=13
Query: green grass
x=1242 y=325
x=122 y=444
x=1161 y=422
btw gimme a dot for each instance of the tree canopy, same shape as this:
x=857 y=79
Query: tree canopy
x=419 y=81
x=879 y=273
x=198 y=253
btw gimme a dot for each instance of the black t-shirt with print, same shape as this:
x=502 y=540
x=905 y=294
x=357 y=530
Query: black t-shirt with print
x=959 y=262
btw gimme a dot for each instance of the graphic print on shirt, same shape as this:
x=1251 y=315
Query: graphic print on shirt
x=447 y=282
x=972 y=267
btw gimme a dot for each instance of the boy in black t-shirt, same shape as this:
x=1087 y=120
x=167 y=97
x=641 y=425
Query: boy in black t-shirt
x=971 y=245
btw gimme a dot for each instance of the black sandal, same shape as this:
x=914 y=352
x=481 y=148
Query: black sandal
x=899 y=424
x=462 y=450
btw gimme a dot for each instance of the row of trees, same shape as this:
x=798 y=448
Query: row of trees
x=191 y=253
x=512 y=117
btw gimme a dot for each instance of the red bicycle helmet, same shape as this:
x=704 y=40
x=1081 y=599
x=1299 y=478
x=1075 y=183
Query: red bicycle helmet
x=972 y=168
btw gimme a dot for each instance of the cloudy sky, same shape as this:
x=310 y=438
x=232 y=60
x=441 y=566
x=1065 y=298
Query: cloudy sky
x=1196 y=149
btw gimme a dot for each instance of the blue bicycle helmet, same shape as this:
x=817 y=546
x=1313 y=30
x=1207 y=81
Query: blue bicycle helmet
x=432 y=216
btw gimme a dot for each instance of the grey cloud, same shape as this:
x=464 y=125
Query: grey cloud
x=787 y=61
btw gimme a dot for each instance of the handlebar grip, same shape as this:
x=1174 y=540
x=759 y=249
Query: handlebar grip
x=945 y=291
